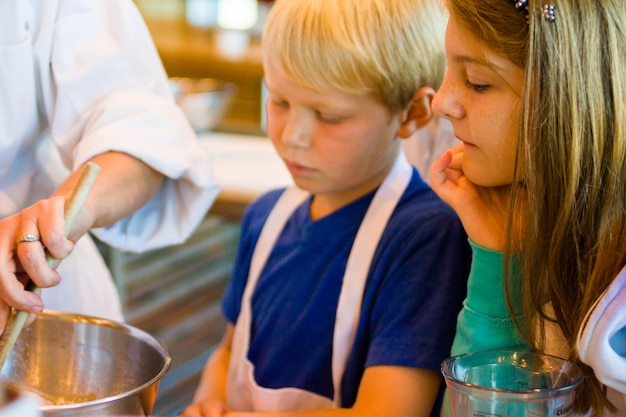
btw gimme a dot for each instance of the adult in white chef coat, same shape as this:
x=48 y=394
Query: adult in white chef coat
x=80 y=80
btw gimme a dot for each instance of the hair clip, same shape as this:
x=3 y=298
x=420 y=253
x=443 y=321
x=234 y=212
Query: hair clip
x=548 y=11
x=521 y=4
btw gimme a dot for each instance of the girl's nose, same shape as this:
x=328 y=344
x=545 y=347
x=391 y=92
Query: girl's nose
x=446 y=104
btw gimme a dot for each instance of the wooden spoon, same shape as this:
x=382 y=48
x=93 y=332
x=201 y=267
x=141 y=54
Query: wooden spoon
x=73 y=205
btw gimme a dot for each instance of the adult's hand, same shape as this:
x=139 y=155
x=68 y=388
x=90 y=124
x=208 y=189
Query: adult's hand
x=123 y=185
x=23 y=237
x=482 y=210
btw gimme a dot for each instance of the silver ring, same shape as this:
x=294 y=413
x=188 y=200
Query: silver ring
x=28 y=237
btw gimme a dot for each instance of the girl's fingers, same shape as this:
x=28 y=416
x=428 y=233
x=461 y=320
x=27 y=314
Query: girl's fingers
x=457 y=158
x=446 y=174
x=437 y=170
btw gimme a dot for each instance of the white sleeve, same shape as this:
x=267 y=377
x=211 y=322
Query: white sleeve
x=602 y=342
x=110 y=93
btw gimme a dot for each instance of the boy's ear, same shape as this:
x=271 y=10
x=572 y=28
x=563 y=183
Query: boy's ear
x=418 y=114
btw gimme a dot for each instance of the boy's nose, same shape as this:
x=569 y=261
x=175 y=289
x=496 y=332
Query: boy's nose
x=300 y=140
x=298 y=132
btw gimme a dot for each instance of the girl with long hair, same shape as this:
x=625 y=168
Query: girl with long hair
x=537 y=94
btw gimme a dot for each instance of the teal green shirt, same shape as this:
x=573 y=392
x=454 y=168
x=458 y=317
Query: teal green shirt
x=485 y=321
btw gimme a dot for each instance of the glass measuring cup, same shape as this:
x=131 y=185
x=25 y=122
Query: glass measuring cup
x=510 y=384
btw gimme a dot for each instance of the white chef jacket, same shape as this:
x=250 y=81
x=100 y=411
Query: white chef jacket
x=79 y=78
x=599 y=346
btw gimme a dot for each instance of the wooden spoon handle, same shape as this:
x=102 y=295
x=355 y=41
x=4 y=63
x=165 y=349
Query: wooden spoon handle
x=75 y=202
x=73 y=205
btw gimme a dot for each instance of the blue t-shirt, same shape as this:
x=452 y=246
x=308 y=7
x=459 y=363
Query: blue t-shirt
x=414 y=291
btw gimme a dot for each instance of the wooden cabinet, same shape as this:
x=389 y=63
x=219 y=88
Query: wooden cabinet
x=174 y=294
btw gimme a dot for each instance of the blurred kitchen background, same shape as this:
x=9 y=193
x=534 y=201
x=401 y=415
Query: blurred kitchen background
x=174 y=293
x=217 y=39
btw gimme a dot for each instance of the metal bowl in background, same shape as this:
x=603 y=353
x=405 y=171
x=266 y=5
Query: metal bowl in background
x=86 y=366
x=203 y=100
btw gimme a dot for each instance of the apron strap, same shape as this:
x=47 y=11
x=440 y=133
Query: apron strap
x=359 y=261
x=288 y=202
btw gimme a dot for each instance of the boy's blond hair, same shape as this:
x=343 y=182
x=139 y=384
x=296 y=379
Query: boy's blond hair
x=389 y=48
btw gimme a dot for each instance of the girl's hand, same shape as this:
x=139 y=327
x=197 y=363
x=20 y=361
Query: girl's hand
x=482 y=210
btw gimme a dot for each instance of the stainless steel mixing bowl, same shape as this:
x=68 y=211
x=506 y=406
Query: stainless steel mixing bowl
x=203 y=100
x=86 y=366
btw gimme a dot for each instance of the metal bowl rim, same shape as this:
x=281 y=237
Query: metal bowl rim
x=125 y=328
x=186 y=85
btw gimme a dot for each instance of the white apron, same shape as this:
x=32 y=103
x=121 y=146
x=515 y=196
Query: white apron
x=242 y=391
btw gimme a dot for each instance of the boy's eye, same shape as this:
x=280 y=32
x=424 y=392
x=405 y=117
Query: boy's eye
x=479 y=88
x=327 y=118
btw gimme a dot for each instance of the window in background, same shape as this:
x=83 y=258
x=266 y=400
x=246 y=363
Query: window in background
x=225 y=14
x=162 y=9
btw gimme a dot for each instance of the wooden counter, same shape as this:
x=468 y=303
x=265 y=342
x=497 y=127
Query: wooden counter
x=245 y=167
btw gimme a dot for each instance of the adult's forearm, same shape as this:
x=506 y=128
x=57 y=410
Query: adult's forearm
x=123 y=185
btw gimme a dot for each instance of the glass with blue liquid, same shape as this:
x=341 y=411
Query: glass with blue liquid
x=510 y=384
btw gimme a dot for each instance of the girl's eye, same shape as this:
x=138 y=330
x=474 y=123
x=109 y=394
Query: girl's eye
x=479 y=88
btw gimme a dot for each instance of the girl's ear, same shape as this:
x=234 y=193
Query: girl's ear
x=418 y=114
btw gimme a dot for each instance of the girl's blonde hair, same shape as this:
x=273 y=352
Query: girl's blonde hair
x=570 y=186
x=388 y=48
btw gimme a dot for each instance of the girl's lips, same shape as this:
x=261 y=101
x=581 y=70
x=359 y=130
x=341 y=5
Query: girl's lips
x=465 y=143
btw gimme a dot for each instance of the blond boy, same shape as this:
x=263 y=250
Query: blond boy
x=342 y=302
